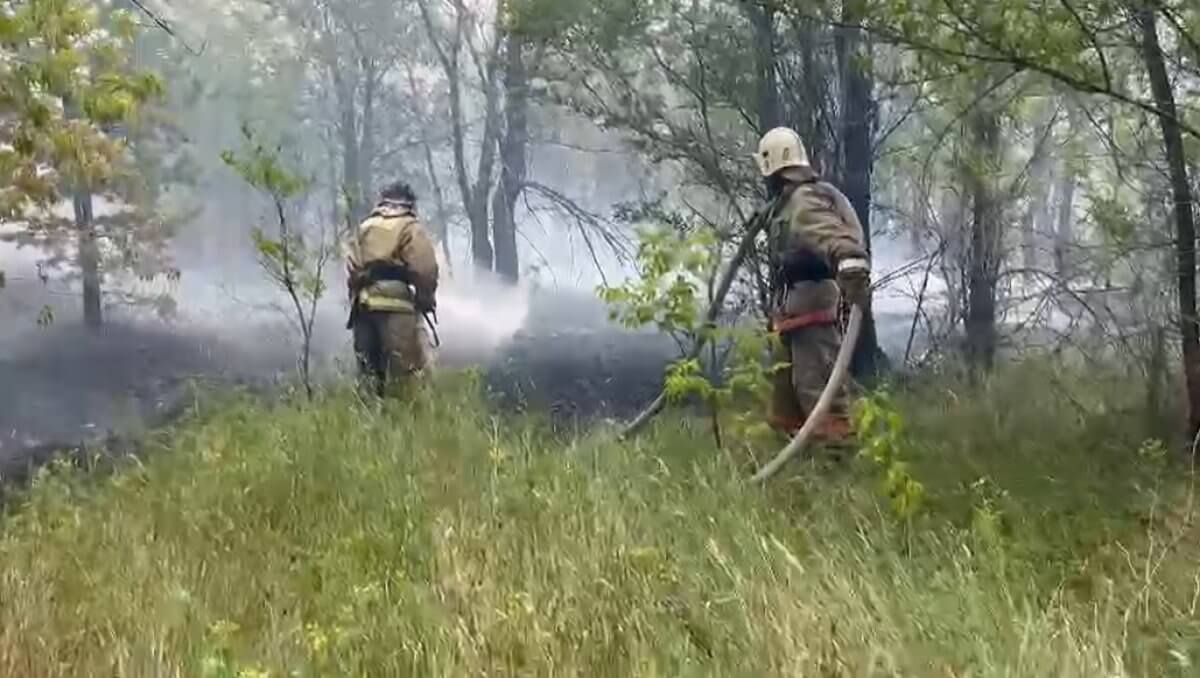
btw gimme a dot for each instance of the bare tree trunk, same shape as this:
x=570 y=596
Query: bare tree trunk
x=1185 y=225
x=1039 y=184
x=1029 y=228
x=770 y=111
x=814 y=85
x=89 y=247
x=983 y=261
x=762 y=20
x=952 y=215
x=858 y=126
x=443 y=214
x=348 y=134
x=1064 y=230
x=478 y=210
x=89 y=259
x=512 y=158
x=474 y=197
x=366 y=137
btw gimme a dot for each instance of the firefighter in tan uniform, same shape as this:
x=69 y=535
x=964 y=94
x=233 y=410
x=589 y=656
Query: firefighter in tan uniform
x=817 y=252
x=392 y=276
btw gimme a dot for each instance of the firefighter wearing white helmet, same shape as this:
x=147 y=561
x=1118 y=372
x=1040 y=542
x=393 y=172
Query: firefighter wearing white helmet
x=816 y=251
x=392 y=281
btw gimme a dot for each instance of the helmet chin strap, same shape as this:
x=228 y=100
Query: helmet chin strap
x=841 y=369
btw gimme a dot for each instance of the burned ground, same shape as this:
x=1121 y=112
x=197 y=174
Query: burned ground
x=68 y=388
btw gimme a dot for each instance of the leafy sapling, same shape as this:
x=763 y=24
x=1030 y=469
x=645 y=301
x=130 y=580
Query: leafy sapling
x=676 y=268
x=295 y=261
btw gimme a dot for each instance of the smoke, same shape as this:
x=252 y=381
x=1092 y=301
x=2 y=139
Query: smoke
x=230 y=326
x=231 y=298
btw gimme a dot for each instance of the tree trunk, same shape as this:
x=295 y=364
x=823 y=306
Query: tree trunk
x=478 y=212
x=762 y=20
x=986 y=233
x=1064 y=230
x=512 y=158
x=89 y=259
x=348 y=134
x=443 y=214
x=475 y=205
x=366 y=136
x=952 y=214
x=89 y=247
x=1039 y=183
x=858 y=126
x=807 y=115
x=1185 y=225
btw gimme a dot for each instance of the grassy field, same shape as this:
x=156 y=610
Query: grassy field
x=439 y=540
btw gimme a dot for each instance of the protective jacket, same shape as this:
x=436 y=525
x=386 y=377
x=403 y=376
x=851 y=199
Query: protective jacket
x=393 y=239
x=814 y=235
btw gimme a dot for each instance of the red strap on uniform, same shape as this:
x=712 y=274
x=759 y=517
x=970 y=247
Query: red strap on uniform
x=797 y=322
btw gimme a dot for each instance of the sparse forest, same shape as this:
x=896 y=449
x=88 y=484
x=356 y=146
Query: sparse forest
x=190 y=485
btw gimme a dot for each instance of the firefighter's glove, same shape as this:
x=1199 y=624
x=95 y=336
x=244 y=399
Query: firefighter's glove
x=854 y=278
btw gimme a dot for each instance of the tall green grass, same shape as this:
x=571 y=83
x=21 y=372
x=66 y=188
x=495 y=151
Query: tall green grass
x=440 y=538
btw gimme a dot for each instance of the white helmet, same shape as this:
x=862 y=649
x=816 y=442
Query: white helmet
x=779 y=149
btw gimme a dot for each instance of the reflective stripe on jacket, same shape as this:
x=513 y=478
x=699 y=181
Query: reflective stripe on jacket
x=392 y=233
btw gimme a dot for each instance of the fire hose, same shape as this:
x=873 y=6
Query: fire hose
x=431 y=321
x=837 y=378
x=841 y=369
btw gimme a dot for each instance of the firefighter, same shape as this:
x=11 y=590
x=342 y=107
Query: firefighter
x=817 y=258
x=392 y=279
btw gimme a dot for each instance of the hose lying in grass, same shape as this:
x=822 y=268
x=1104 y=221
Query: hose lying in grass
x=841 y=369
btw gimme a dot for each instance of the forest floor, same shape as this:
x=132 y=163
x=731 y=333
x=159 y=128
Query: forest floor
x=67 y=387
x=441 y=538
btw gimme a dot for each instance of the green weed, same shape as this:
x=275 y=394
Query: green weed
x=437 y=538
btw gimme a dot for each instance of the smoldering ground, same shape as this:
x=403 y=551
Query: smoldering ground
x=547 y=348
x=545 y=345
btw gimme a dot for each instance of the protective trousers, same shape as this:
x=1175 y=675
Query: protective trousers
x=809 y=341
x=390 y=350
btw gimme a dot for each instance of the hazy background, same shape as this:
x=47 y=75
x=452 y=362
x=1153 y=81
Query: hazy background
x=220 y=322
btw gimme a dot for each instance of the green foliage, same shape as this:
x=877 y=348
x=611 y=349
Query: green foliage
x=290 y=257
x=881 y=433
x=1114 y=219
x=668 y=292
x=673 y=78
x=79 y=105
x=1074 y=45
x=741 y=393
x=65 y=83
x=675 y=264
x=987 y=512
x=262 y=168
x=294 y=260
